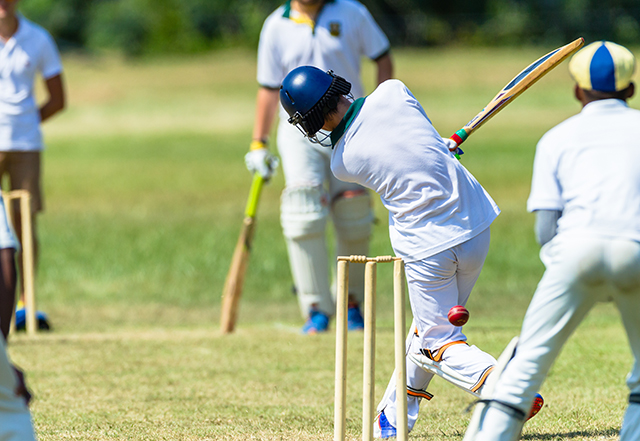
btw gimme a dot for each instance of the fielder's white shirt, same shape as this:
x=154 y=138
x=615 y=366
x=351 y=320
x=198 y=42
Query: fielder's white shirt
x=344 y=32
x=387 y=143
x=29 y=51
x=588 y=167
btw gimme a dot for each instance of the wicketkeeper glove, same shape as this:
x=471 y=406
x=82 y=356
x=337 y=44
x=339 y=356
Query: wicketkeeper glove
x=260 y=160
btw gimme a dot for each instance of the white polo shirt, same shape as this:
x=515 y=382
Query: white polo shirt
x=387 y=143
x=343 y=33
x=588 y=167
x=31 y=50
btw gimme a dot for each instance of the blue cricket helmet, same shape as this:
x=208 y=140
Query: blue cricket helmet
x=307 y=94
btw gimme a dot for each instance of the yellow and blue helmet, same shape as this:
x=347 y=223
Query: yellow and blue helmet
x=603 y=66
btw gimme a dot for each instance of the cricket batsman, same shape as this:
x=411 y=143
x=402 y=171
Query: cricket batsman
x=329 y=34
x=586 y=195
x=439 y=215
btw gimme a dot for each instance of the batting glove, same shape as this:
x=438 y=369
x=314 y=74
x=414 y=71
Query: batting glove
x=453 y=146
x=260 y=160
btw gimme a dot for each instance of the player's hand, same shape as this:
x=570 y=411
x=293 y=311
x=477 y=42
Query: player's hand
x=453 y=146
x=261 y=161
x=450 y=143
x=21 y=388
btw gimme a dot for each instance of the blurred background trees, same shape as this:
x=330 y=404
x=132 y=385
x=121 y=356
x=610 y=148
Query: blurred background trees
x=138 y=27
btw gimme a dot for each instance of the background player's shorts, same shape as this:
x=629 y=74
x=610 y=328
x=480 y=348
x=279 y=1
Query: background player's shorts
x=23 y=169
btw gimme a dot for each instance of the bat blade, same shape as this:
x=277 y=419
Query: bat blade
x=521 y=82
x=234 y=282
x=235 y=277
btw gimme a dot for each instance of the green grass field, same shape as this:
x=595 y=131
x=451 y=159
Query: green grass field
x=145 y=189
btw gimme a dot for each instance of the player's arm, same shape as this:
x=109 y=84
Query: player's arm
x=385 y=67
x=266 y=108
x=259 y=159
x=56 y=101
x=546 y=225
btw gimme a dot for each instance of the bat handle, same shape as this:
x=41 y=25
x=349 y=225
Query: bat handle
x=254 y=196
x=459 y=137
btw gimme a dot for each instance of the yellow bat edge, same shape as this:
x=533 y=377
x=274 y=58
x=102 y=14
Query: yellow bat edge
x=521 y=82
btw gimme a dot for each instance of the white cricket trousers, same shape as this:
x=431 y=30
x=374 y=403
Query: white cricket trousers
x=436 y=284
x=580 y=271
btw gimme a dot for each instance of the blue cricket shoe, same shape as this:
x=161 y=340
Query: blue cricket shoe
x=382 y=428
x=317 y=322
x=355 y=322
x=41 y=318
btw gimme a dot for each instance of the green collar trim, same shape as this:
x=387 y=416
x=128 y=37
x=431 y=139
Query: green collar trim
x=287 y=7
x=348 y=118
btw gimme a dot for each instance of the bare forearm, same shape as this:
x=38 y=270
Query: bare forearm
x=385 y=68
x=266 y=108
x=49 y=109
x=56 y=101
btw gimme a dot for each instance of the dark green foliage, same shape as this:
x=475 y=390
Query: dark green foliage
x=137 y=27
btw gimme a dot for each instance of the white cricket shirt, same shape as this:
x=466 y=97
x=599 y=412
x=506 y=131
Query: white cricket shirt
x=588 y=167
x=343 y=33
x=387 y=143
x=29 y=51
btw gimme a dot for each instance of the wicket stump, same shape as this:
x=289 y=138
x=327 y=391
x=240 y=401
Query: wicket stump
x=27 y=254
x=368 y=393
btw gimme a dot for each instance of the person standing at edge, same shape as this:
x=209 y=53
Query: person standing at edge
x=330 y=34
x=585 y=192
x=25 y=50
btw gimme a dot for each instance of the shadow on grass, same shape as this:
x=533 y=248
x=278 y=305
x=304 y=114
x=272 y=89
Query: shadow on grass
x=589 y=434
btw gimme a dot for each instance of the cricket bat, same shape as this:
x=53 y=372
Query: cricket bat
x=516 y=86
x=235 y=277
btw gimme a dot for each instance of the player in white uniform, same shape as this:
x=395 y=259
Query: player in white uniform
x=586 y=196
x=439 y=215
x=330 y=34
x=25 y=50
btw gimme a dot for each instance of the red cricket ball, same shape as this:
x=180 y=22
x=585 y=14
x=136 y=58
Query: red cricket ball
x=458 y=315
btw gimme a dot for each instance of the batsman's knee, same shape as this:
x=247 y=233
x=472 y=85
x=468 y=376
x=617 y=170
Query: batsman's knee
x=303 y=211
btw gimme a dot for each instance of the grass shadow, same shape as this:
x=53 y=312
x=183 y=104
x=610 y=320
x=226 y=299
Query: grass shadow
x=587 y=434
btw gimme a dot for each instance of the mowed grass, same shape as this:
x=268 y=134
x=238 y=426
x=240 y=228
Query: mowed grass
x=145 y=190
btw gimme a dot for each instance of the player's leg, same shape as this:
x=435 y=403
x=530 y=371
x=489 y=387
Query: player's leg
x=629 y=307
x=451 y=276
x=433 y=290
x=8 y=279
x=24 y=171
x=562 y=299
x=15 y=418
x=627 y=277
x=304 y=212
x=352 y=217
x=417 y=382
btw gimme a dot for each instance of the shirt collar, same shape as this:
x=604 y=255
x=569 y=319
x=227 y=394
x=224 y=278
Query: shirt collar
x=287 y=7
x=347 y=119
x=600 y=105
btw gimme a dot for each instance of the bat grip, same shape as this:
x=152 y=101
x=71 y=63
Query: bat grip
x=459 y=137
x=254 y=195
